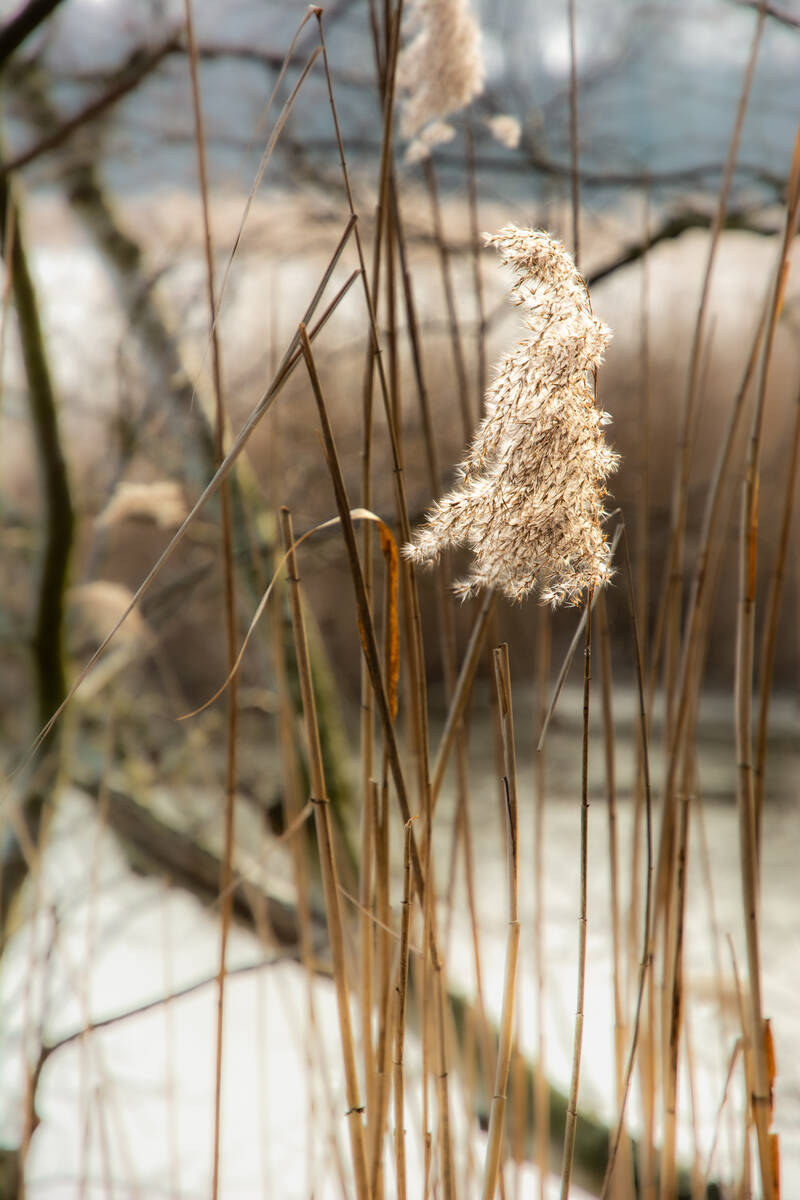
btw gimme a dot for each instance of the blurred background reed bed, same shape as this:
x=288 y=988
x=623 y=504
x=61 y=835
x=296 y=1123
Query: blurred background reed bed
x=298 y=887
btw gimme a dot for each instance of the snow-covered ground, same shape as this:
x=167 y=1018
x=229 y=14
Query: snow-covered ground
x=127 y=1110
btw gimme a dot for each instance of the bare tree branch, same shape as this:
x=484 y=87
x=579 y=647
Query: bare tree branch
x=672 y=228
x=138 y=66
x=23 y=24
x=777 y=14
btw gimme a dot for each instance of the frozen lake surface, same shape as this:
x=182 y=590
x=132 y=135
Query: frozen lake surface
x=127 y=1110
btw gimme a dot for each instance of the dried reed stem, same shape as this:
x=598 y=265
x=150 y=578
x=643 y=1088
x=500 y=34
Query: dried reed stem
x=369 y=804
x=8 y=221
x=448 y=650
x=506 y=1040
x=622 y=1179
x=440 y=1004
x=680 y=500
x=673 y=1006
x=566 y=664
x=770 y=635
x=679 y=653
x=455 y=712
x=541 y=1099
x=575 y=197
x=229 y=591
x=745 y=636
x=462 y=387
x=330 y=882
x=293 y=807
x=384 y=249
x=668 y=616
x=415 y=344
x=647 y=935
x=423 y=878
x=401 y=991
x=481 y=371
x=366 y=624
x=377 y=1120
x=572 y=1104
x=697 y=614
x=408 y=582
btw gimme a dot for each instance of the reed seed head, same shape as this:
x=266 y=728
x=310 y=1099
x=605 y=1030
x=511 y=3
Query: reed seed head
x=530 y=498
x=439 y=71
x=505 y=129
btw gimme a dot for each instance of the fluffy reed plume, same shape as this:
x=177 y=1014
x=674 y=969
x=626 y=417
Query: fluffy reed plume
x=440 y=71
x=161 y=502
x=505 y=129
x=92 y=609
x=530 y=500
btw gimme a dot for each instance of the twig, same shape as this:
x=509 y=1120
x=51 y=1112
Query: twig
x=400 y=1022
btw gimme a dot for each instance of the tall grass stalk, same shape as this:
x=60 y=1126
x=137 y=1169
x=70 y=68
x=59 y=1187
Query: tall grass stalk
x=455 y=712
x=454 y=327
x=401 y=991
x=678 y=663
x=668 y=618
x=541 y=1105
x=497 y=1114
x=421 y=864
x=745 y=634
x=583 y=917
x=330 y=882
x=769 y=639
x=622 y=1182
x=229 y=594
x=454 y=687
